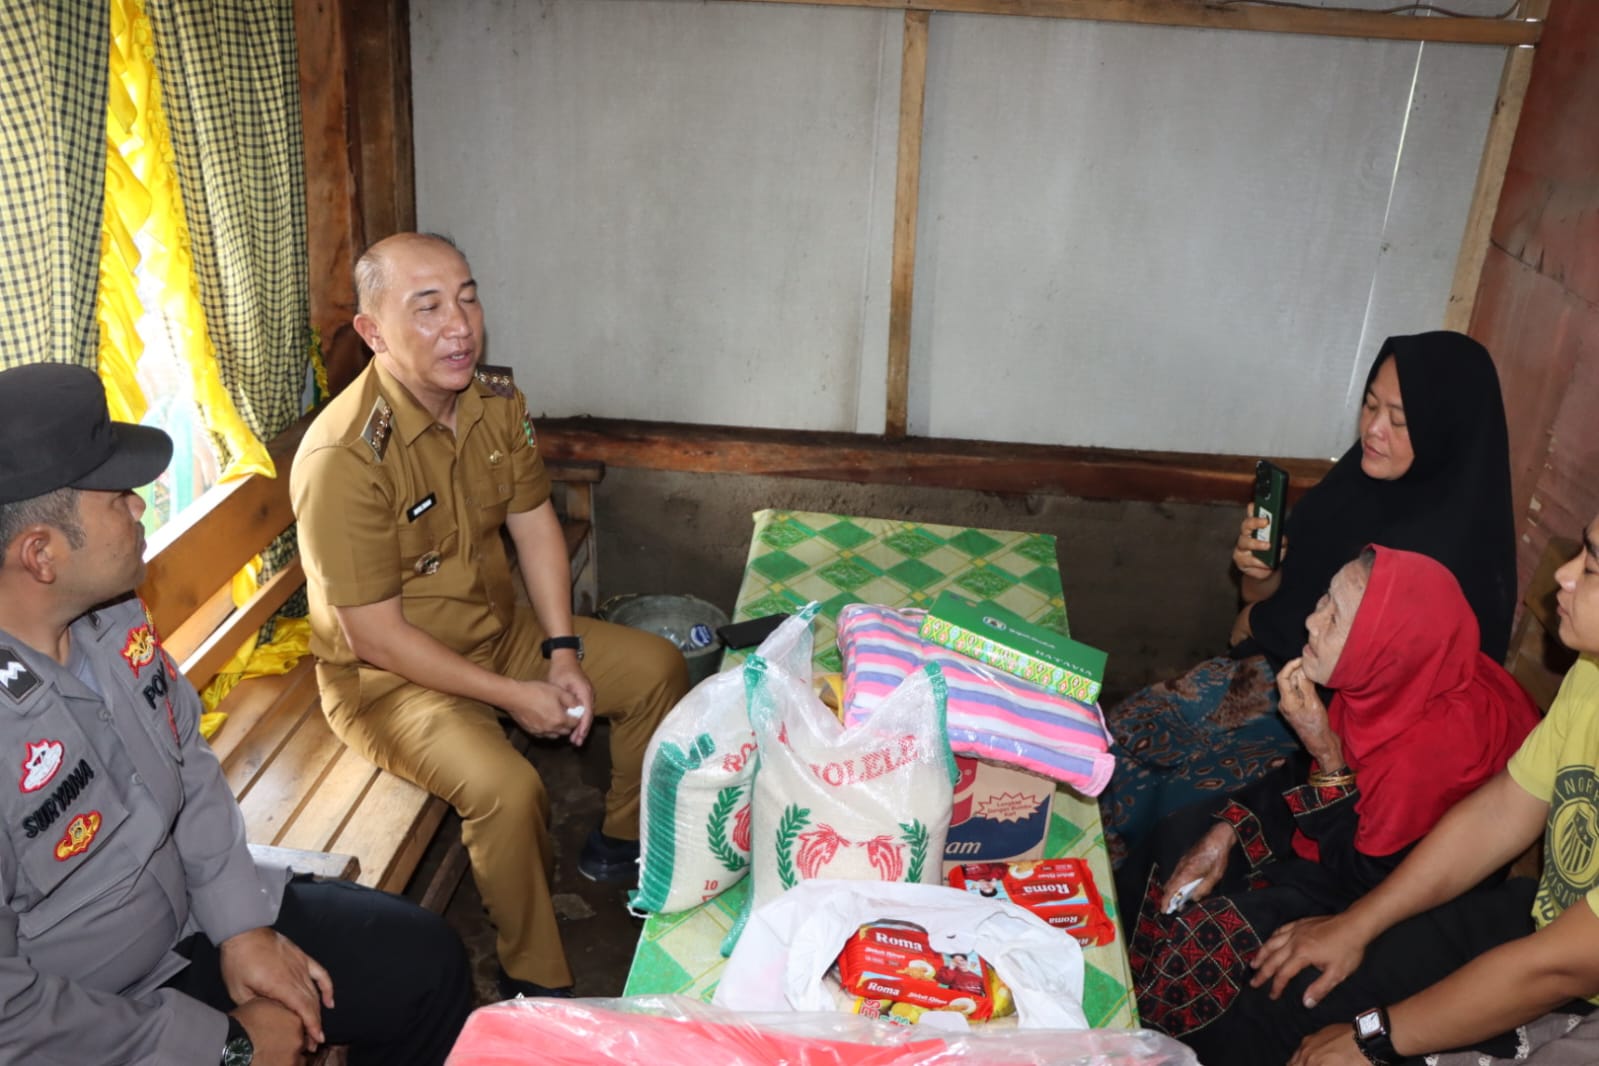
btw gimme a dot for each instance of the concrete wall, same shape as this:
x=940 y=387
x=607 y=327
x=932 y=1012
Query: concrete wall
x=1149 y=583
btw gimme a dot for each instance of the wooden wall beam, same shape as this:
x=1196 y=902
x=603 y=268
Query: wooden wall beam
x=1199 y=15
x=985 y=466
x=1490 y=179
x=333 y=226
x=355 y=99
x=907 y=188
x=380 y=64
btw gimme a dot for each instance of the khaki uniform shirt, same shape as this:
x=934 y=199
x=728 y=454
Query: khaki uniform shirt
x=391 y=503
x=120 y=838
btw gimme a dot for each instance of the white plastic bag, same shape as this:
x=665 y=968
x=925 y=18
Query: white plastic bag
x=789 y=944
x=694 y=820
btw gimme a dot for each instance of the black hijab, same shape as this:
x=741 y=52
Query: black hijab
x=1452 y=504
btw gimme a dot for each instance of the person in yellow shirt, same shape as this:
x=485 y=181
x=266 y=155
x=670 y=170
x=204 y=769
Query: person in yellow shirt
x=1475 y=971
x=402 y=487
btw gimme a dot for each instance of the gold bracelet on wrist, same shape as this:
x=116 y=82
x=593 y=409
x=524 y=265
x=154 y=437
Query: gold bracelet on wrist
x=1332 y=779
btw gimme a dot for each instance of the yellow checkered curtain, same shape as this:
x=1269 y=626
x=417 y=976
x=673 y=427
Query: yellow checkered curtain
x=52 y=173
x=230 y=81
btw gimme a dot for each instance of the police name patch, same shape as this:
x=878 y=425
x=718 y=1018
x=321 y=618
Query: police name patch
x=15 y=677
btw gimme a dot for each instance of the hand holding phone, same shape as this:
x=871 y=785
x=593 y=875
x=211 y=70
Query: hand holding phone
x=1271 y=499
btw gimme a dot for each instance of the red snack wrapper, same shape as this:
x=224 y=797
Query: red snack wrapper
x=893 y=961
x=1060 y=891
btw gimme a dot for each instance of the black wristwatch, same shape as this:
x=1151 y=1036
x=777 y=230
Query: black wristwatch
x=1373 y=1038
x=555 y=644
x=238 y=1051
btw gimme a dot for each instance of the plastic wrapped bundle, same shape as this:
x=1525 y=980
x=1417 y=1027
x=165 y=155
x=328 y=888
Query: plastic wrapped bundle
x=671 y=1030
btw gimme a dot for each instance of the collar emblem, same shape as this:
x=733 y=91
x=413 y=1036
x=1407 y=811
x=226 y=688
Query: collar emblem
x=140 y=648
x=39 y=766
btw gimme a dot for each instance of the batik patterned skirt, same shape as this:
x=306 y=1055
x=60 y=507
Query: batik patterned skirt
x=1204 y=734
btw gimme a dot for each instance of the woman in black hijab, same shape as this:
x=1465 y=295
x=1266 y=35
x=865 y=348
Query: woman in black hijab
x=1430 y=474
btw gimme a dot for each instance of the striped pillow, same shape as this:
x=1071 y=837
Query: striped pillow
x=991 y=714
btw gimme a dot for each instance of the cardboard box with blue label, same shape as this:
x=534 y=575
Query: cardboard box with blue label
x=1000 y=813
x=1006 y=641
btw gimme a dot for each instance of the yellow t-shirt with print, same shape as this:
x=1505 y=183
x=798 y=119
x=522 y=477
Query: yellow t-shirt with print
x=1559 y=763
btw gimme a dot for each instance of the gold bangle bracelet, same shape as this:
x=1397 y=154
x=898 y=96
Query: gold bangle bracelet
x=1335 y=779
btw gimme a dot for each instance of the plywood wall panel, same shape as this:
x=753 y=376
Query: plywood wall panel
x=1538 y=306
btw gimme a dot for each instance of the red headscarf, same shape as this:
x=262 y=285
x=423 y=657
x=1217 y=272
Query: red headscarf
x=1424 y=716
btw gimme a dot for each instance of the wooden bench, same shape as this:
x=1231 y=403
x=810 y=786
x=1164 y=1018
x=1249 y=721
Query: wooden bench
x=299 y=787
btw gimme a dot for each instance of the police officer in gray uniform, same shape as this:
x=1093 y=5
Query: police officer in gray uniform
x=134 y=927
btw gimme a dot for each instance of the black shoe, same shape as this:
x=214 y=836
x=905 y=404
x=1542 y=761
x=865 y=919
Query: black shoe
x=511 y=988
x=608 y=860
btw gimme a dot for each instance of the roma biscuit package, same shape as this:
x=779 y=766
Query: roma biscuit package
x=890 y=966
x=1060 y=891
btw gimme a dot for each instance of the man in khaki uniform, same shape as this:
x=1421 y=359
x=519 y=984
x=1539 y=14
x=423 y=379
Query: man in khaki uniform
x=401 y=488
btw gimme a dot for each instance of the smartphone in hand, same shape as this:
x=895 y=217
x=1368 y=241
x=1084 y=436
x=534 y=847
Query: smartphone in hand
x=1271 y=499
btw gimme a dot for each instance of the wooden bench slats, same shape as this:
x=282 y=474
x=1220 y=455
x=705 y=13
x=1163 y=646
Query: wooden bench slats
x=257 y=750
x=249 y=704
x=337 y=799
x=394 y=817
x=212 y=655
x=288 y=783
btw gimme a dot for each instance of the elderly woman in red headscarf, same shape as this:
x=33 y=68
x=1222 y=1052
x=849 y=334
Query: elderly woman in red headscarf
x=1419 y=718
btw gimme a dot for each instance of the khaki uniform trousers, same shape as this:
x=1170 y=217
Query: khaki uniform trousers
x=457 y=750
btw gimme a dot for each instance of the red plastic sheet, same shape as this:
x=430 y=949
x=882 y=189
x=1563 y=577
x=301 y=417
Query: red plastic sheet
x=676 y=1031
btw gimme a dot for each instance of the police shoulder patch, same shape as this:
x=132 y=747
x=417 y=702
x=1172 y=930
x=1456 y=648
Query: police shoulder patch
x=498 y=380
x=377 y=428
x=15 y=677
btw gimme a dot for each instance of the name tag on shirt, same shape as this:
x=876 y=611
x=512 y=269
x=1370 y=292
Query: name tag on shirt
x=420 y=507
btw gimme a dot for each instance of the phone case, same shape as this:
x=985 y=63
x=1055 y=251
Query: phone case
x=749 y=633
x=1271 y=497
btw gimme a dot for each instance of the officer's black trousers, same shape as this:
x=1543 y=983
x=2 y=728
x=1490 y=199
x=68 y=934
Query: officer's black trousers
x=401 y=980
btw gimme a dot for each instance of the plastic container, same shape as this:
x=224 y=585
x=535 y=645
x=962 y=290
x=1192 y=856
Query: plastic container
x=686 y=621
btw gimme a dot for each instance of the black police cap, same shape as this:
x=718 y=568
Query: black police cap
x=56 y=432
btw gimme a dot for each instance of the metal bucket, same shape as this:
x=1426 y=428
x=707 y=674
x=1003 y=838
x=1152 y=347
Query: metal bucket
x=688 y=622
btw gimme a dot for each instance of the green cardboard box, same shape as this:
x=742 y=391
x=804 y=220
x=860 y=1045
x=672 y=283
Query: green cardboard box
x=1008 y=642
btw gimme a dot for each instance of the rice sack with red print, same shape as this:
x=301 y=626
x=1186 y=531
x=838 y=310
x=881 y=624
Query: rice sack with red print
x=867 y=802
x=694 y=818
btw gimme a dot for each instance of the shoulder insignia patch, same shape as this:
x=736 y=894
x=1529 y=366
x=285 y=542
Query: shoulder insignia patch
x=15 y=677
x=378 y=425
x=498 y=380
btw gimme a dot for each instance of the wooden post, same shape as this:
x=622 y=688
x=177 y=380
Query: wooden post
x=907 y=184
x=355 y=101
x=1491 y=178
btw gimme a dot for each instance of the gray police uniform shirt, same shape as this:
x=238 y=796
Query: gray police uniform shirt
x=121 y=837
